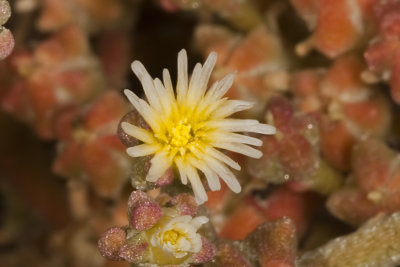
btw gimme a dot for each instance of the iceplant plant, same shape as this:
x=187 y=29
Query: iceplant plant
x=189 y=128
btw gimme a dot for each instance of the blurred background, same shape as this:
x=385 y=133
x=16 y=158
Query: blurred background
x=325 y=73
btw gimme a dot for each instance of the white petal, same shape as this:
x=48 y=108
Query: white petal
x=159 y=164
x=168 y=83
x=220 y=169
x=165 y=99
x=182 y=83
x=212 y=89
x=198 y=83
x=199 y=221
x=222 y=157
x=206 y=102
x=183 y=244
x=194 y=82
x=206 y=108
x=141 y=150
x=181 y=168
x=224 y=173
x=262 y=129
x=197 y=244
x=230 y=107
x=147 y=112
x=211 y=176
x=238 y=125
x=235 y=138
x=232 y=125
x=223 y=86
x=239 y=148
x=198 y=188
x=206 y=72
x=147 y=83
x=137 y=132
x=212 y=179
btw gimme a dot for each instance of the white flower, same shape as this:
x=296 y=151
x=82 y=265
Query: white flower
x=187 y=128
x=179 y=236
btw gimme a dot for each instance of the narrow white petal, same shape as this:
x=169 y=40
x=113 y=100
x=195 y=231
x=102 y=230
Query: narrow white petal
x=147 y=112
x=225 y=174
x=182 y=83
x=213 y=87
x=194 y=85
x=232 y=125
x=206 y=102
x=147 y=83
x=159 y=164
x=230 y=107
x=165 y=99
x=222 y=87
x=168 y=83
x=141 y=150
x=206 y=72
x=134 y=99
x=219 y=136
x=198 y=83
x=219 y=168
x=181 y=168
x=212 y=178
x=240 y=148
x=199 y=154
x=137 y=132
x=206 y=109
x=198 y=188
x=238 y=125
x=222 y=157
x=231 y=181
x=262 y=129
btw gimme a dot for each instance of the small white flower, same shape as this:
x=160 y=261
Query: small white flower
x=179 y=236
x=188 y=129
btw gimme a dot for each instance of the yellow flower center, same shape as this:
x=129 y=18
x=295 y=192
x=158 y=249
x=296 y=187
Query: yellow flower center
x=181 y=135
x=171 y=236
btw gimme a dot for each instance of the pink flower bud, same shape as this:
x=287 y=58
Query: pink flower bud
x=143 y=212
x=111 y=242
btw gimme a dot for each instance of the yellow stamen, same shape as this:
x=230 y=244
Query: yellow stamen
x=181 y=135
x=171 y=237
